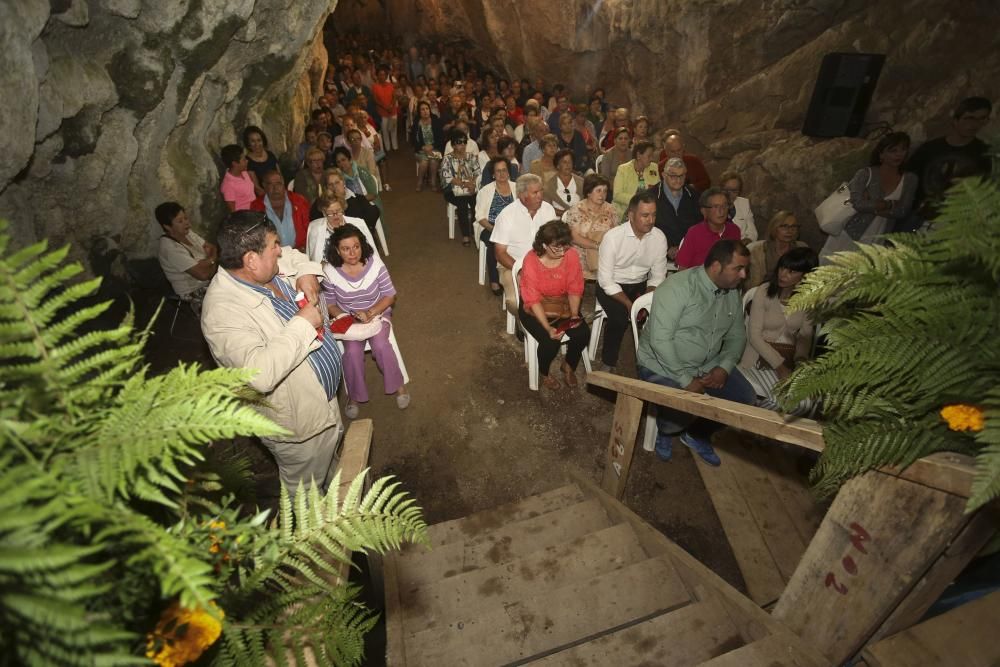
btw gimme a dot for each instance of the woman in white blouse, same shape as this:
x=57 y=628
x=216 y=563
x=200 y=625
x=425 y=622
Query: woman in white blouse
x=564 y=189
x=739 y=206
x=776 y=339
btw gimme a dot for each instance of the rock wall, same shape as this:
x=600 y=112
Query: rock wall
x=736 y=76
x=112 y=106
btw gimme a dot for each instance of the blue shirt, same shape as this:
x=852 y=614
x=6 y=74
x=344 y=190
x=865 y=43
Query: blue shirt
x=325 y=360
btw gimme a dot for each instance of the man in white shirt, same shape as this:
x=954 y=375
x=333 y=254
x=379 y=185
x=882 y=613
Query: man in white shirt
x=515 y=228
x=633 y=260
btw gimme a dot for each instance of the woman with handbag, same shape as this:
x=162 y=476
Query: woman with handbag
x=776 y=339
x=551 y=283
x=880 y=194
x=589 y=220
x=459 y=176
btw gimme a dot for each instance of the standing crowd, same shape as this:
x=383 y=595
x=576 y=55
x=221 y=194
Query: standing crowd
x=562 y=197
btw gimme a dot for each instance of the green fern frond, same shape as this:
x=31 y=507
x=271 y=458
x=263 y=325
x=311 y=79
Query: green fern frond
x=910 y=328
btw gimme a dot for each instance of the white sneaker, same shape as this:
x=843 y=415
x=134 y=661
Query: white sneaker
x=352 y=410
x=402 y=401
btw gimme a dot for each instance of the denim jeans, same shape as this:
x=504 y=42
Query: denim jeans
x=673 y=422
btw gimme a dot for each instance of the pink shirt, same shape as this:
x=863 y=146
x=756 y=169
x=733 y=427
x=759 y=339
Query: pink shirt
x=699 y=240
x=238 y=189
x=538 y=280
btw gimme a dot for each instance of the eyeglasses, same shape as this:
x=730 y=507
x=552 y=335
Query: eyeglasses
x=789 y=226
x=460 y=142
x=675 y=176
x=334 y=214
x=718 y=207
x=568 y=195
x=555 y=249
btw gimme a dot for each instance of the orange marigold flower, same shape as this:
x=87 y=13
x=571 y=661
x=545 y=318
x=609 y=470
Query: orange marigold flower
x=963 y=417
x=182 y=635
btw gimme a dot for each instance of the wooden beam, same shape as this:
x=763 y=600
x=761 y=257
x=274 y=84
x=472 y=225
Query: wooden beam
x=621 y=445
x=879 y=537
x=944 y=471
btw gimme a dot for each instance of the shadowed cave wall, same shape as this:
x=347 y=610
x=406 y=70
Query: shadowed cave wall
x=111 y=106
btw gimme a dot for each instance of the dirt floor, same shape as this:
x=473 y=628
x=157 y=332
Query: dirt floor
x=475 y=436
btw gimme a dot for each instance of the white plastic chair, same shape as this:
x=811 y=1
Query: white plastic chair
x=395 y=349
x=452 y=215
x=380 y=233
x=747 y=298
x=531 y=345
x=597 y=163
x=477 y=229
x=649 y=431
x=596 y=327
x=291 y=185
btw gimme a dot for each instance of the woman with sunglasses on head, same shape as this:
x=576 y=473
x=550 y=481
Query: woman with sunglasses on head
x=551 y=283
x=564 y=189
x=782 y=236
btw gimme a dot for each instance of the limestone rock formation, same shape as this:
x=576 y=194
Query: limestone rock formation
x=111 y=106
x=736 y=76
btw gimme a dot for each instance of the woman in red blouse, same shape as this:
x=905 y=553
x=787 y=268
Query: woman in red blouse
x=551 y=288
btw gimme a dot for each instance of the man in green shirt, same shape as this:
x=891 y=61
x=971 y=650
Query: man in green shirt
x=693 y=339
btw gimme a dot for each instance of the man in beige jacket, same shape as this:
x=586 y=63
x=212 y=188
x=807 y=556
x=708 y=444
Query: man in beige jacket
x=250 y=320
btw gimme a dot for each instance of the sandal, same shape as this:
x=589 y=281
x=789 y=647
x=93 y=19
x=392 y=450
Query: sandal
x=551 y=383
x=570 y=375
x=465 y=242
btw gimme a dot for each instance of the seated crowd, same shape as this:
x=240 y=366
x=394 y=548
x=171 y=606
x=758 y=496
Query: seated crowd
x=565 y=195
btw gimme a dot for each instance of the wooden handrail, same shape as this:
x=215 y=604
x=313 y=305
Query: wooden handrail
x=945 y=471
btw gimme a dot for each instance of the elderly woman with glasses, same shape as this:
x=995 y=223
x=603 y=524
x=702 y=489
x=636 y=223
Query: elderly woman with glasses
x=333 y=208
x=564 y=189
x=460 y=174
x=782 y=236
x=551 y=283
x=739 y=206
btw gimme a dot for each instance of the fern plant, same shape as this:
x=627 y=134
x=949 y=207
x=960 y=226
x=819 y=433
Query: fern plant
x=913 y=358
x=116 y=546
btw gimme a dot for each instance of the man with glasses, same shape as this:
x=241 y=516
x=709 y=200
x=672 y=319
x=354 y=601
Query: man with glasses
x=676 y=205
x=250 y=320
x=957 y=154
x=632 y=261
x=673 y=146
x=715 y=227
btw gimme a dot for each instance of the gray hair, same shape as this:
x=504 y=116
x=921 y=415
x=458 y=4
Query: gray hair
x=242 y=232
x=524 y=180
x=674 y=163
x=708 y=194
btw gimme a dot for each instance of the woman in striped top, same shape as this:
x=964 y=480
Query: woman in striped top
x=357 y=282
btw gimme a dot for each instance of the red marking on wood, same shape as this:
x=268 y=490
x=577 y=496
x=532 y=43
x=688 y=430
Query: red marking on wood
x=849 y=565
x=859 y=537
x=831 y=581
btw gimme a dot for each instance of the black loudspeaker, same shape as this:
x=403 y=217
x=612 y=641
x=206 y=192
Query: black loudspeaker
x=842 y=94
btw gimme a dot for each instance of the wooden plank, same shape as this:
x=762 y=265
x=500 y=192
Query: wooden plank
x=621 y=445
x=505 y=544
x=750 y=620
x=395 y=634
x=770 y=516
x=945 y=471
x=777 y=650
x=792 y=489
x=963 y=549
x=686 y=636
x=461 y=596
x=480 y=523
x=553 y=620
x=354 y=452
x=802 y=432
x=879 y=537
x=760 y=573
x=963 y=636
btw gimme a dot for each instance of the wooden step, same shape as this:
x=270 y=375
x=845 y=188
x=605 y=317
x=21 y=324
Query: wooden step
x=461 y=597
x=548 y=621
x=776 y=650
x=686 y=636
x=962 y=636
x=501 y=545
x=471 y=526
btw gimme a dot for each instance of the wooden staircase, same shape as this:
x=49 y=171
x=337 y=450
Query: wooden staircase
x=570 y=577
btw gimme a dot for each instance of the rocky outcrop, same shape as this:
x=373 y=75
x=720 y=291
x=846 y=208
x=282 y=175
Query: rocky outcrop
x=736 y=76
x=112 y=106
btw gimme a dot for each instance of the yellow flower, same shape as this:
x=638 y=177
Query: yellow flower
x=182 y=635
x=963 y=417
x=217 y=525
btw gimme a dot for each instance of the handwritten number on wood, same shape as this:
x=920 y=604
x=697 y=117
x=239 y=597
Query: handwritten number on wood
x=858 y=538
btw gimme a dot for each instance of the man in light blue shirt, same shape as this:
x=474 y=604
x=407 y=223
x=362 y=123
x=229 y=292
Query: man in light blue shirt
x=693 y=340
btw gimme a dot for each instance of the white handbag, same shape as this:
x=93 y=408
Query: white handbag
x=834 y=212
